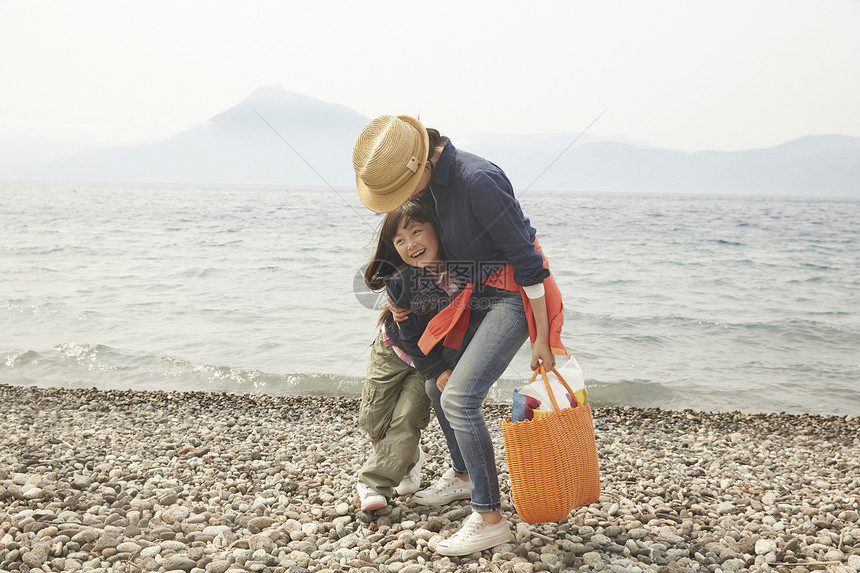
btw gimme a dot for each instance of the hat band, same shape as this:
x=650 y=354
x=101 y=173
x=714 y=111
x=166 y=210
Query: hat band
x=412 y=164
x=403 y=177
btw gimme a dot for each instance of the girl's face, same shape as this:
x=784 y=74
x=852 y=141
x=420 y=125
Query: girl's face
x=417 y=244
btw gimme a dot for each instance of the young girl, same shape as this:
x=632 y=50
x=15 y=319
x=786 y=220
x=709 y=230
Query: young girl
x=409 y=265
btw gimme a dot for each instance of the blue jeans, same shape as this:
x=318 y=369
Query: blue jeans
x=500 y=334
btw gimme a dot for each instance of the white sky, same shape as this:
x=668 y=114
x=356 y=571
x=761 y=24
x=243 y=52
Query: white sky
x=681 y=74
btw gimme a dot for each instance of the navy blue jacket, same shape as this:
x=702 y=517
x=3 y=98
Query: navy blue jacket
x=481 y=224
x=414 y=289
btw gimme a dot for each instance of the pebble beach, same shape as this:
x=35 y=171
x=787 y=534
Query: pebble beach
x=130 y=481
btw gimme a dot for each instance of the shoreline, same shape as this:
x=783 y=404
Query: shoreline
x=98 y=480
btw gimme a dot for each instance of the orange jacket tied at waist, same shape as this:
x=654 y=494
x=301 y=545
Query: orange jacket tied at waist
x=452 y=322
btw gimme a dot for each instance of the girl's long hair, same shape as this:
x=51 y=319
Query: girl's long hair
x=386 y=261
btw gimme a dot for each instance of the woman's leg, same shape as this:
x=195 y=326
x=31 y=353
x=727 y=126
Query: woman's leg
x=498 y=338
x=452 y=356
x=456 y=457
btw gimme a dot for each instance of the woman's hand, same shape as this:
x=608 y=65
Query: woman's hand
x=541 y=351
x=442 y=380
x=399 y=314
x=542 y=354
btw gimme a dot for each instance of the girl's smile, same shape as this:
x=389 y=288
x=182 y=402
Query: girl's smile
x=417 y=244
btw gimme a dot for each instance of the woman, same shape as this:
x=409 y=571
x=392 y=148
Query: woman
x=490 y=244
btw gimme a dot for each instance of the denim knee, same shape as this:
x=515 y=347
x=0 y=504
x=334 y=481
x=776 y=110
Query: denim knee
x=451 y=405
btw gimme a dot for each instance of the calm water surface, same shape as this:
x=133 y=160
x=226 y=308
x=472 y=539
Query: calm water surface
x=675 y=301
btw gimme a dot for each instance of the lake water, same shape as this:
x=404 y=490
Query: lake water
x=672 y=301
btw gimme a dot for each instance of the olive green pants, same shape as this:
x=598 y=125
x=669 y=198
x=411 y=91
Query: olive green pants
x=394 y=409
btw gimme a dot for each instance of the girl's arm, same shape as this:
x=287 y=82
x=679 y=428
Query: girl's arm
x=541 y=351
x=399 y=314
x=407 y=332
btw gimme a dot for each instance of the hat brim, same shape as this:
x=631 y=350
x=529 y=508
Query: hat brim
x=391 y=201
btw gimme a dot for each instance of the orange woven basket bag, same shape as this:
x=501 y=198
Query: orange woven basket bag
x=552 y=460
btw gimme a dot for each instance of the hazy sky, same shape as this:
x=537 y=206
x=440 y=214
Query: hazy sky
x=681 y=74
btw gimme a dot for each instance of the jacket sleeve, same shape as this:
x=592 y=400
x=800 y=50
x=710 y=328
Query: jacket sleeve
x=498 y=211
x=431 y=365
x=409 y=332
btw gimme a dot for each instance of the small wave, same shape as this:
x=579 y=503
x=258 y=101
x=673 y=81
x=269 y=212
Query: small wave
x=94 y=357
x=19 y=359
x=26 y=306
x=817 y=267
x=215 y=378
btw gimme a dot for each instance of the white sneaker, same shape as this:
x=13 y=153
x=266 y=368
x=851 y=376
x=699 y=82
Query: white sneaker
x=371 y=500
x=412 y=481
x=447 y=488
x=476 y=535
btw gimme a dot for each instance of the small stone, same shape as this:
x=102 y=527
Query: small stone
x=170 y=545
x=32 y=493
x=105 y=541
x=241 y=555
x=765 y=546
x=37 y=556
x=301 y=558
x=792 y=545
x=81 y=482
x=175 y=513
x=218 y=566
x=733 y=565
x=261 y=523
x=592 y=558
x=179 y=561
x=261 y=541
x=637 y=533
x=216 y=530
x=128 y=547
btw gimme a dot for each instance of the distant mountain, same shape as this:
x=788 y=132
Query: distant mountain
x=310 y=143
x=813 y=165
x=235 y=146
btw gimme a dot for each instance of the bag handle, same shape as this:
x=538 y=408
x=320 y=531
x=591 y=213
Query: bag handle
x=542 y=371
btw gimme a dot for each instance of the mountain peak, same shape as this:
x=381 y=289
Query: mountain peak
x=276 y=95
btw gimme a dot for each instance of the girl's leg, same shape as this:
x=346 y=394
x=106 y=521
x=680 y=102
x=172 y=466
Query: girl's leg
x=393 y=410
x=411 y=414
x=498 y=338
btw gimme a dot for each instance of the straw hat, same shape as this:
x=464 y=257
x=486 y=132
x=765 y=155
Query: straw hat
x=389 y=156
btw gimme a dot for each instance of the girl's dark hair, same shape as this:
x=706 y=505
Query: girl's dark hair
x=386 y=261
